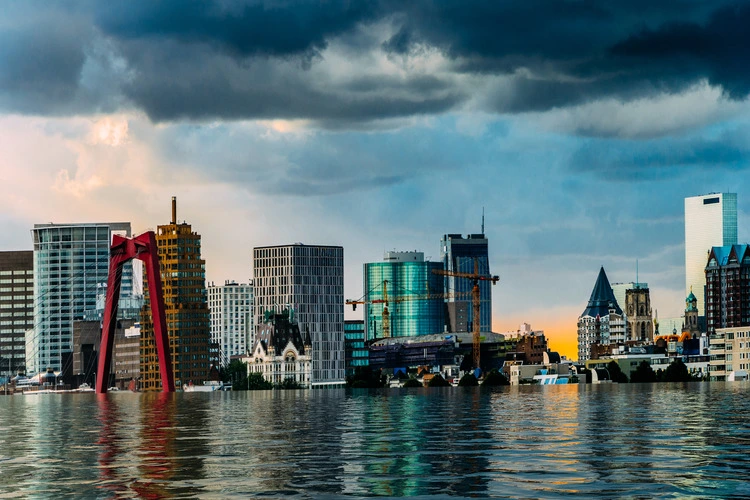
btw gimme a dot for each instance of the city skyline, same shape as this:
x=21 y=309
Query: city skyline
x=381 y=126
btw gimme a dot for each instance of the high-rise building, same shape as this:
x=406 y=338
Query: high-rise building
x=602 y=319
x=710 y=221
x=183 y=275
x=309 y=279
x=16 y=308
x=70 y=260
x=728 y=287
x=460 y=255
x=231 y=306
x=415 y=296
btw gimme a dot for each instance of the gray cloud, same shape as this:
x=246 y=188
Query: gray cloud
x=201 y=60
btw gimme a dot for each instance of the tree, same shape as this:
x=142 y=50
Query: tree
x=256 y=382
x=366 y=378
x=235 y=373
x=468 y=380
x=615 y=373
x=412 y=382
x=677 y=371
x=288 y=383
x=438 y=381
x=494 y=378
x=643 y=374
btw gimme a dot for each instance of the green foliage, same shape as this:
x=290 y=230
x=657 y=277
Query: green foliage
x=288 y=383
x=643 y=374
x=366 y=378
x=494 y=378
x=412 y=382
x=438 y=381
x=615 y=373
x=677 y=371
x=256 y=382
x=235 y=373
x=468 y=380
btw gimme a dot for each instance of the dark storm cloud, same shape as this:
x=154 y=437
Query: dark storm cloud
x=268 y=59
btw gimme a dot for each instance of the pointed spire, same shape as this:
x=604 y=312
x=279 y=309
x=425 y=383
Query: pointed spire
x=602 y=298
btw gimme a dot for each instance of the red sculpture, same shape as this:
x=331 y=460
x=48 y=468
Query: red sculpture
x=141 y=247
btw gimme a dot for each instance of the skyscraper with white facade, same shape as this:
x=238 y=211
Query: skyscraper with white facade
x=309 y=279
x=70 y=260
x=710 y=221
x=231 y=306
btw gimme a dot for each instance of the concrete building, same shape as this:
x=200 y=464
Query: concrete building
x=188 y=323
x=16 y=308
x=710 y=220
x=415 y=296
x=70 y=260
x=459 y=254
x=232 y=330
x=729 y=349
x=601 y=321
x=728 y=287
x=125 y=368
x=309 y=279
x=281 y=351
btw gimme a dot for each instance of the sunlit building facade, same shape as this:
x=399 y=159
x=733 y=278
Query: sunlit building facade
x=231 y=306
x=415 y=296
x=183 y=276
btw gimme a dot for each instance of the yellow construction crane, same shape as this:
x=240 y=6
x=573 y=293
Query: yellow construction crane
x=386 y=319
x=475 y=277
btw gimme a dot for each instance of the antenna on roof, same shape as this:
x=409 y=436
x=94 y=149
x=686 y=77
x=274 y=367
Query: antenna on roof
x=637 y=283
x=482 y=220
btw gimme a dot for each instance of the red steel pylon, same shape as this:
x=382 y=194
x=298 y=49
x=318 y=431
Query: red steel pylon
x=142 y=247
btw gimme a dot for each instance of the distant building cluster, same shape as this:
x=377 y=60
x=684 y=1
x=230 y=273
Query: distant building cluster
x=709 y=338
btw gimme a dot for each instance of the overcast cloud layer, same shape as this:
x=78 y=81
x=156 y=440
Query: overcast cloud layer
x=578 y=126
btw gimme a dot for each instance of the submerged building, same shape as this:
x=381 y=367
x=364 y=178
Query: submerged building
x=232 y=331
x=16 y=308
x=601 y=321
x=465 y=255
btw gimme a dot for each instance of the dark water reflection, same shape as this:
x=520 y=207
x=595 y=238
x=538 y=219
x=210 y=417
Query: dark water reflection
x=637 y=441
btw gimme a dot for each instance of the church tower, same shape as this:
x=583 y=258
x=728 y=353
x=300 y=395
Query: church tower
x=691 y=315
x=638 y=312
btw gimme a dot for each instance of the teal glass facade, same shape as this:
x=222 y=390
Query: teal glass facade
x=355 y=351
x=411 y=313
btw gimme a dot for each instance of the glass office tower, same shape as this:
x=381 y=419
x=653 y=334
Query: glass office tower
x=70 y=260
x=415 y=306
x=710 y=221
x=459 y=255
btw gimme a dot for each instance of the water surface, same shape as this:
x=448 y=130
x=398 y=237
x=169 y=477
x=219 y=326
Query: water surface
x=640 y=441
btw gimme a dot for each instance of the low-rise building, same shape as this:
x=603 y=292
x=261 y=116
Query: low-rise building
x=729 y=350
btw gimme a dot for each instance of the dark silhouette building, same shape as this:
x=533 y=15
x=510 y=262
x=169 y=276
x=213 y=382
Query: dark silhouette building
x=728 y=287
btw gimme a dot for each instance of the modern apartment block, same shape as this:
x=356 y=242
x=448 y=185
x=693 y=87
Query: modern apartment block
x=309 y=279
x=183 y=276
x=357 y=354
x=602 y=321
x=415 y=296
x=70 y=260
x=16 y=308
x=459 y=254
x=231 y=306
x=710 y=221
x=729 y=349
x=728 y=287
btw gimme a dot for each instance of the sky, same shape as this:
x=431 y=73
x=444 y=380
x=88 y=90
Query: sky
x=579 y=127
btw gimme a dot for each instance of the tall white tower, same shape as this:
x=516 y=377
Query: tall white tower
x=710 y=221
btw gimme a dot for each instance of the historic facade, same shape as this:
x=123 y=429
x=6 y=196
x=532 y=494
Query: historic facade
x=728 y=287
x=638 y=313
x=280 y=352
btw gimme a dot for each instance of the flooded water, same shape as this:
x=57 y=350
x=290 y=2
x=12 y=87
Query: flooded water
x=661 y=440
